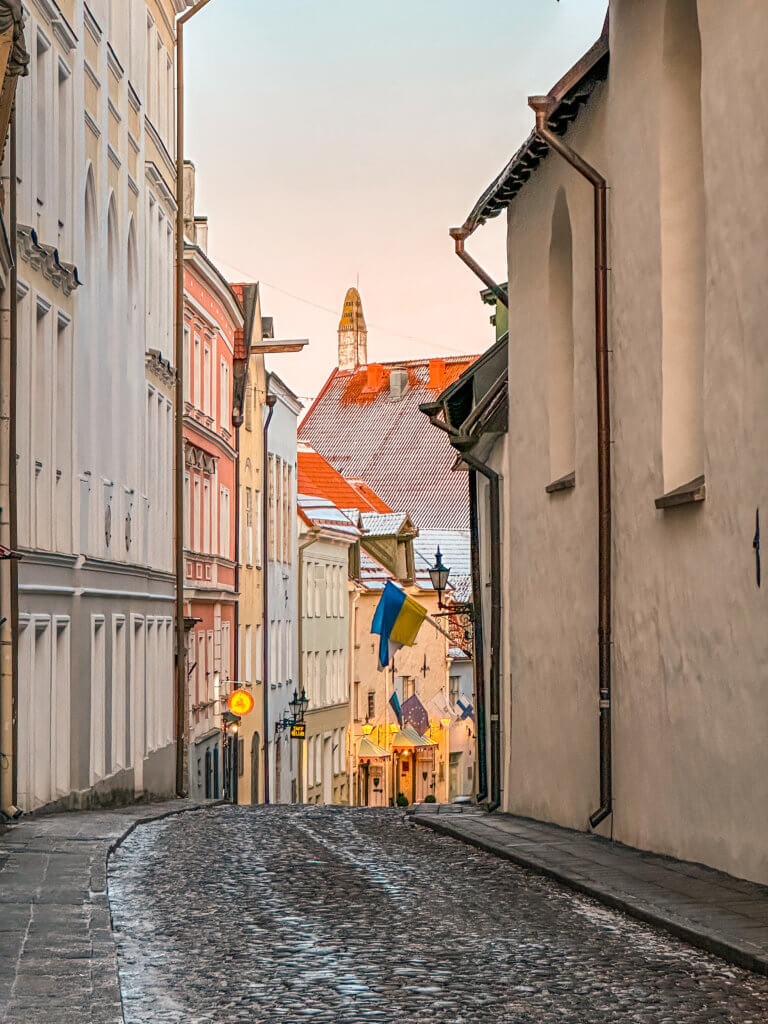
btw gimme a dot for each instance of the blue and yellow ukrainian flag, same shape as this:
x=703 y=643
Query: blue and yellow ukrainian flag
x=396 y=621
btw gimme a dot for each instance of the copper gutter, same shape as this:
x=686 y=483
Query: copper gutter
x=459 y=236
x=180 y=680
x=543 y=107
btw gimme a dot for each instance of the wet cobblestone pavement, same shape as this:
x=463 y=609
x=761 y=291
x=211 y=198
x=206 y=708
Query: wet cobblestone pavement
x=292 y=914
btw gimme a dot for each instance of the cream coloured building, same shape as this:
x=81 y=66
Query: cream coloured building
x=655 y=108
x=95 y=318
x=325 y=537
x=250 y=653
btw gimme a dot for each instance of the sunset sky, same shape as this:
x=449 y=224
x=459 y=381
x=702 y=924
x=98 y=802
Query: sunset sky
x=354 y=134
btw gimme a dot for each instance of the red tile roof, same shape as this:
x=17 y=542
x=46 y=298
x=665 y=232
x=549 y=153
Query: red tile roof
x=365 y=435
x=239 y=332
x=318 y=478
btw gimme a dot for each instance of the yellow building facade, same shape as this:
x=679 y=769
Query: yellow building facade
x=250 y=639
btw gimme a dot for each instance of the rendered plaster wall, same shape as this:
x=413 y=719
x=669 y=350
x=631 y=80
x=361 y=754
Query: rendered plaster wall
x=690 y=645
x=251 y=600
x=430 y=650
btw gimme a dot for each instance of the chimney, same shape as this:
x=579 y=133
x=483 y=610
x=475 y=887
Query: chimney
x=201 y=233
x=398 y=384
x=374 y=377
x=436 y=374
x=189 y=200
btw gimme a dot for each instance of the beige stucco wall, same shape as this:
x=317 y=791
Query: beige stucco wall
x=690 y=638
x=325 y=629
x=431 y=648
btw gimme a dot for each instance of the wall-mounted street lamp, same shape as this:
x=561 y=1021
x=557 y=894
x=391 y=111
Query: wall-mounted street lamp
x=439 y=574
x=298 y=705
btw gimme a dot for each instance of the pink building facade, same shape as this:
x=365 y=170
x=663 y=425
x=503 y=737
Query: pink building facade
x=212 y=316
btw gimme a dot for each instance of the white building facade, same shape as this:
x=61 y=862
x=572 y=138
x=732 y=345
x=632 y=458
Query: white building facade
x=95 y=402
x=281 y=615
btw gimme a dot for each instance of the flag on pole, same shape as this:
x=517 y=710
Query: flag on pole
x=397 y=621
x=394 y=703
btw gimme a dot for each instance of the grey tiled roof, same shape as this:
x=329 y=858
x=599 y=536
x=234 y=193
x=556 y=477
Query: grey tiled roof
x=391 y=445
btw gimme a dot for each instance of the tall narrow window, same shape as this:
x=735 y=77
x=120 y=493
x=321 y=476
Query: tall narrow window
x=98 y=698
x=187 y=367
x=120 y=757
x=197 y=517
x=64 y=159
x=207 y=381
x=42 y=61
x=60 y=707
x=248 y=526
x=683 y=249
x=207 y=517
x=561 y=413
x=187 y=511
x=196 y=374
x=42 y=398
x=63 y=438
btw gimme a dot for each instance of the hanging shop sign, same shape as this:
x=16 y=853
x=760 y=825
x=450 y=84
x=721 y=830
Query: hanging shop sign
x=240 y=702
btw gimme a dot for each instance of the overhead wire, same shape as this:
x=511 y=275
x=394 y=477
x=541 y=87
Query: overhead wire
x=335 y=312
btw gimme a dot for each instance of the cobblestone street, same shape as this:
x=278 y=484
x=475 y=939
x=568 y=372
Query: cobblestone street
x=290 y=914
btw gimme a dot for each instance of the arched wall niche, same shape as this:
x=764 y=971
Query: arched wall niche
x=562 y=431
x=683 y=246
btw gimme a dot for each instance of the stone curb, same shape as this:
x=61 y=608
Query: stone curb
x=689 y=932
x=115 y=845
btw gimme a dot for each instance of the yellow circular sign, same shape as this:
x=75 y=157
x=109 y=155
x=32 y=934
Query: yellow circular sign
x=240 y=702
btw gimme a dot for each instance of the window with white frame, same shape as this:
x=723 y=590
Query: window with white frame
x=224 y=523
x=187 y=366
x=224 y=408
x=206 y=516
x=248 y=666
x=248 y=526
x=196 y=373
x=197 y=514
x=207 y=380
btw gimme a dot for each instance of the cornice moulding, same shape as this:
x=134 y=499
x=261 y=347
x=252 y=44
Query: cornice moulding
x=45 y=258
x=93 y=27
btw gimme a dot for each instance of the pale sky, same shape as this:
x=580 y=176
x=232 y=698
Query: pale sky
x=337 y=138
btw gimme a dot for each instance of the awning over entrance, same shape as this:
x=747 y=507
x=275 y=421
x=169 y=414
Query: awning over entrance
x=408 y=739
x=370 y=750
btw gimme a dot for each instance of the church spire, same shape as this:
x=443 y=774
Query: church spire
x=353 y=334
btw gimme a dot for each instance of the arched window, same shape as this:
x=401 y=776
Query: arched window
x=561 y=413
x=683 y=246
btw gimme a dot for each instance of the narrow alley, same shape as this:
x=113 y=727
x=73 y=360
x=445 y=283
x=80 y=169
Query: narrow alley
x=286 y=914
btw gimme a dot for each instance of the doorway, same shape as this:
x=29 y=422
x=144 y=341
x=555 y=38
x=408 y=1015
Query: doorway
x=255 y=744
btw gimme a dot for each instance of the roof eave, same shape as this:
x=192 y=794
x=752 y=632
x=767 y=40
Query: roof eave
x=566 y=101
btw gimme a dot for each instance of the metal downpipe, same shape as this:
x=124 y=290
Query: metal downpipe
x=542 y=106
x=459 y=236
